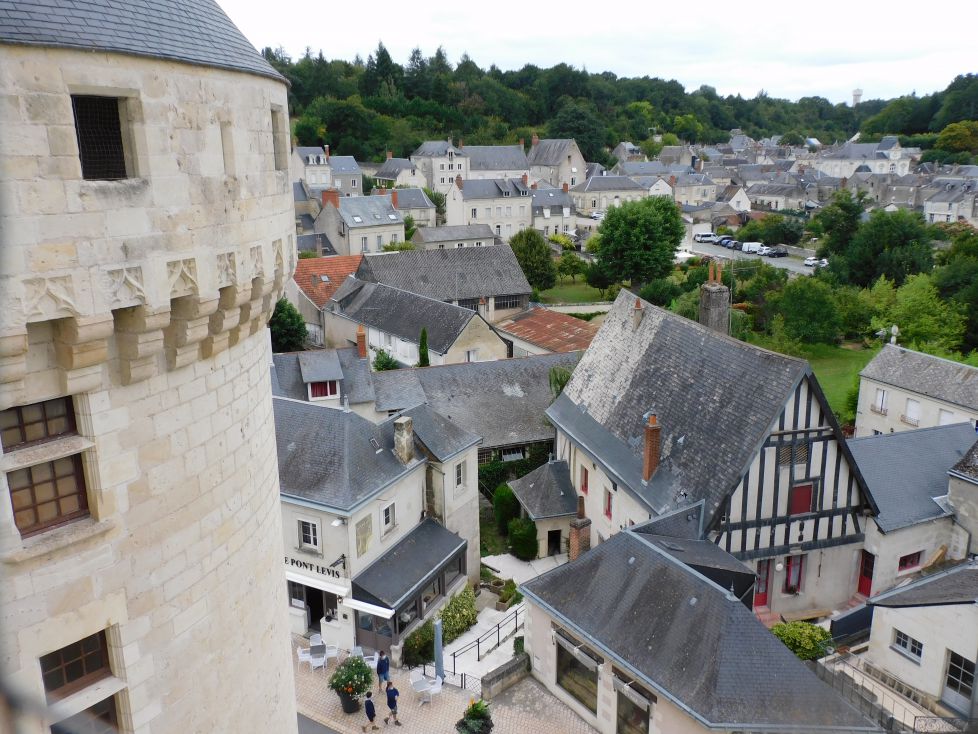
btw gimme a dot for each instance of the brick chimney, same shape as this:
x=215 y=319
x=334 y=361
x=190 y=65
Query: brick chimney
x=653 y=441
x=672 y=182
x=637 y=314
x=458 y=181
x=361 y=342
x=394 y=198
x=327 y=153
x=579 y=540
x=390 y=154
x=331 y=196
x=533 y=185
x=526 y=180
x=534 y=141
x=566 y=187
x=404 y=439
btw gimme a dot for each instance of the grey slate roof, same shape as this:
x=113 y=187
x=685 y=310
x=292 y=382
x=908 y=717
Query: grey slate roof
x=496 y=158
x=503 y=400
x=320 y=366
x=333 y=457
x=344 y=164
x=967 y=468
x=651 y=168
x=191 y=31
x=427 y=235
x=958 y=585
x=549 y=152
x=546 y=491
x=687 y=639
x=692 y=378
x=686 y=522
x=299 y=193
x=905 y=471
x=412 y=199
x=390 y=168
x=607 y=183
x=545 y=197
x=450 y=274
x=372 y=211
x=305 y=151
x=439 y=435
x=934 y=377
x=355 y=384
x=402 y=313
x=437 y=149
x=494 y=188
x=408 y=567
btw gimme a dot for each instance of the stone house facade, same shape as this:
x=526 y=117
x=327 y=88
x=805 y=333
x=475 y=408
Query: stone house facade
x=504 y=204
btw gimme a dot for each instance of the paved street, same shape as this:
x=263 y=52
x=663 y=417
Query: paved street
x=790 y=263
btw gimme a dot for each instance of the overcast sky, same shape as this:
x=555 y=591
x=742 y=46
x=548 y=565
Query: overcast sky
x=788 y=49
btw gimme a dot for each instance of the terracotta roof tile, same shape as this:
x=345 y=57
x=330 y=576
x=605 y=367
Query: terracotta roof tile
x=309 y=272
x=551 y=330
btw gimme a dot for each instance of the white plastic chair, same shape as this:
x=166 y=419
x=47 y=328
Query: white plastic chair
x=302 y=653
x=332 y=651
x=371 y=660
x=315 y=639
x=433 y=689
x=419 y=683
x=317 y=656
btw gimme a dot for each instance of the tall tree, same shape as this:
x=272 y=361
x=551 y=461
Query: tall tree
x=895 y=244
x=837 y=223
x=809 y=311
x=423 y=359
x=287 y=327
x=534 y=256
x=639 y=240
x=925 y=321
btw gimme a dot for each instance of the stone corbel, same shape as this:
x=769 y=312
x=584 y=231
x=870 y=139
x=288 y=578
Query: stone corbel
x=189 y=326
x=81 y=347
x=224 y=321
x=139 y=337
x=13 y=368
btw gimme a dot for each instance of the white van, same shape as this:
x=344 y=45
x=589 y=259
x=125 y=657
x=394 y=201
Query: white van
x=704 y=237
x=752 y=247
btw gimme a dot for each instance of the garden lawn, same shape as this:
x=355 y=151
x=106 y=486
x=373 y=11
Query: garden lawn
x=564 y=292
x=492 y=543
x=836 y=369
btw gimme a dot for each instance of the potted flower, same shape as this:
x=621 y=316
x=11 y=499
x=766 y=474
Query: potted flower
x=351 y=680
x=476 y=719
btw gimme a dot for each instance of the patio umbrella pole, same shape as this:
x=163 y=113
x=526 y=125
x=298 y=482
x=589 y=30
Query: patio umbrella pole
x=439 y=658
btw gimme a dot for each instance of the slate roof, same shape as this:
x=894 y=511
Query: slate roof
x=544 y=197
x=934 y=377
x=546 y=491
x=905 y=471
x=700 y=555
x=450 y=274
x=496 y=158
x=439 y=435
x=503 y=400
x=333 y=457
x=310 y=273
x=958 y=585
x=299 y=193
x=607 y=183
x=191 y=31
x=315 y=242
x=437 y=149
x=390 y=168
x=412 y=199
x=550 y=330
x=692 y=378
x=774 y=189
x=368 y=211
x=288 y=380
x=320 y=366
x=967 y=468
x=650 y=168
x=428 y=235
x=494 y=188
x=685 y=522
x=408 y=567
x=687 y=639
x=549 y=152
x=344 y=164
x=402 y=313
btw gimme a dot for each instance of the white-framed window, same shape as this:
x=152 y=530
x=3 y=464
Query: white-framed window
x=488 y=212
x=441 y=167
x=380 y=241
x=308 y=535
x=907 y=644
x=509 y=211
x=460 y=474
x=911 y=414
x=324 y=389
x=499 y=211
x=353 y=183
x=388 y=520
x=394 y=237
x=474 y=210
x=513 y=453
x=459 y=244
x=879 y=401
x=945 y=417
x=472 y=355
x=363 y=244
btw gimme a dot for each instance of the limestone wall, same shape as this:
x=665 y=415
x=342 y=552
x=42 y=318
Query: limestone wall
x=145 y=301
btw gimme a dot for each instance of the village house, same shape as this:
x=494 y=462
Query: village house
x=557 y=161
x=412 y=203
x=886 y=156
x=655 y=419
x=627 y=151
x=540 y=330
x=693 y=189
x=503 y=204
x=310 y=163
x=395 y=172
x=777 y=196
x=736 y=197
x=951 y=201
x=901 y=389
x=372 y=547
x=654 y=185
x=599 y=193
x=312 y=286
x=648 y=633
x=338 y=378
x=925 y=638
x=393 y=320
x=496 y=161
x=345 y=175
x=487 y=280
x=440 y=162
x=547 y=497
x=466 y=235
x=649 y=168
x=553 y=210
x=359 y=224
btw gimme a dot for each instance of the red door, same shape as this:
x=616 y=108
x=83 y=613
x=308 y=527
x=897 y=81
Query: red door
x=866 y=563
x=760 y=586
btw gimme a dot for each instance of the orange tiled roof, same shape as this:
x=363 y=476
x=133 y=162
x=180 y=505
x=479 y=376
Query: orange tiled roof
x=551 y=330
x=309 y=272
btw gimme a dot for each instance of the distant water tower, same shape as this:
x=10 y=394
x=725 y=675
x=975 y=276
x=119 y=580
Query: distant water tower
x=857 y=94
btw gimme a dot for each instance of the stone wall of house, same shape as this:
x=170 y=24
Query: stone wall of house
x=144 y=300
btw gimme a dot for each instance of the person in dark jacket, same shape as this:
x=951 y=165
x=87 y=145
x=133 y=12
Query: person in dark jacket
x=392 y=694
x=383 y=669
x=371 y=712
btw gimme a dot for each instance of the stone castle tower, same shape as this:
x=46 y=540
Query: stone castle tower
x=147 y=229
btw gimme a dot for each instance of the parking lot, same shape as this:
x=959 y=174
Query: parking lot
x=790 y=263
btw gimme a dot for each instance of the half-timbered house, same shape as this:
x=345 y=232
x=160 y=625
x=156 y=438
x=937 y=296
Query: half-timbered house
x=663 y=414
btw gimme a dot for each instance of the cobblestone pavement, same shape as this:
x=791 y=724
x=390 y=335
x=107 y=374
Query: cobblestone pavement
x=524 y=708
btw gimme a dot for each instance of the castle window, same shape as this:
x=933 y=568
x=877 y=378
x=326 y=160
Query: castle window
x=280 y=139
x=79 y=672
x=100 y=131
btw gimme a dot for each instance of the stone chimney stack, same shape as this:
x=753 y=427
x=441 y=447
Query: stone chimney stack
x=566 y=187
x=652 y=449
x=522 y=144
x=637 y=314
x=390 y=154
x=715 y=302
x=404 y=439
x=579 y=540
x=461 y=143
x=361 y=342
x=394 y=198
x=535 y=140
x=331 y=196
x=458 y=181
x=327 y=153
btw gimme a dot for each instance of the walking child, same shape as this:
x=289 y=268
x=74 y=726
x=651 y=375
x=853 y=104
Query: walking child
x=392 y=694
x=383 y=669
x=371 y=712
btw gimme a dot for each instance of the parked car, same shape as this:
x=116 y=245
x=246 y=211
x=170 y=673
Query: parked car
x=778 y=251
x=723 y=239
x=823 y=263
x=810 y=262
x=752 y=246
x=764 y=251
x=704 y=237
x=597 y=215
x=736 y=244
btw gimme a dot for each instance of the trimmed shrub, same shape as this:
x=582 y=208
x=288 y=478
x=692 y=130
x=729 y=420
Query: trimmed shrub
x=458 y=615
x=523 y=538
x=505 y=506
x=419 y=646
x=806 y=640
x=518 y=645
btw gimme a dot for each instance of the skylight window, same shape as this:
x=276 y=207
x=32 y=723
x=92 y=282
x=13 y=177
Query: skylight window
x=392 y=217
x=358 y=219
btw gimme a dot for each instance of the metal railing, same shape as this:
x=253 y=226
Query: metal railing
x=910 y=420
x=878 y=409
x=465 y=681
x=492 y=638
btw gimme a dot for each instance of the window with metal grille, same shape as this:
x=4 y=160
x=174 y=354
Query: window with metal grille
x=908 y=644
x=98 y=128
x=38 y=422
x=793 y=454
x=485 y=456
x=75 y=666
x=509 y=301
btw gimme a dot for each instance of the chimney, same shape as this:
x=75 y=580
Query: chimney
x=458 y=181
x=522 y=144
x=450 y=141
x=461 y=143
x=390 y=154
x=327 y=153
x=534 y=141
x=843 y=183
x=566 y=187
x=715 y=302
x=672 y=182
x=710 y=277
x=653 y=441
x=637 y=314
x=526 y=180
x=579 y=540
x=361 y=342
x=331 y=196
x=394 y=198
x=533 y=185
x=404 y=439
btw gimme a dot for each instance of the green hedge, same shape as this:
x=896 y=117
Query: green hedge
x=458 y=615
x=419 y=646
x=523 y=538
x=505 y=507
x=806 y=640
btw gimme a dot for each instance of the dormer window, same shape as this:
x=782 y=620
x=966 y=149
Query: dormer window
x=523 y=192
x=505 y=193
x=323 y=390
